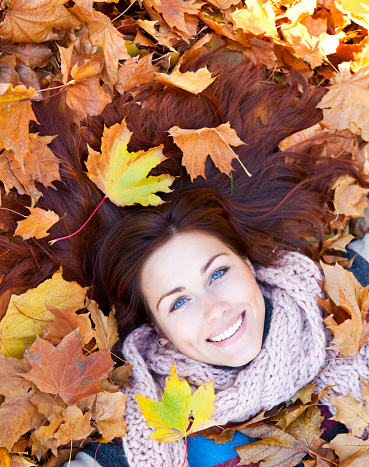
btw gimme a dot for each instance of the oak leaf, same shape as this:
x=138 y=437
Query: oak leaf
x=29 y=311
x=122 y=175
x=65 y=322
x=36 y=21
x=196 y=145
x=36 y=224
x=75 y=426
x=282 y=447
x=106 y=328
x=179 y=413
x=337 y=104
x=108 y=411
x=194 y=82
x=256 y=17
x=64 y=370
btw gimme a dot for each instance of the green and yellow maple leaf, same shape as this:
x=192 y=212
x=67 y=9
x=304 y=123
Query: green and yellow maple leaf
x=179 y=413
x=122 y=175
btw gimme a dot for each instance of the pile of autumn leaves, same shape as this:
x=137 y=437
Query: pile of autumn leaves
x=58 y=386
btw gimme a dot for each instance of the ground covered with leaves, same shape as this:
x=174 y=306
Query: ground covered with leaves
x=93 y=52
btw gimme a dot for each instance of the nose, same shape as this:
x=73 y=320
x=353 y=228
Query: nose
x=214 y=307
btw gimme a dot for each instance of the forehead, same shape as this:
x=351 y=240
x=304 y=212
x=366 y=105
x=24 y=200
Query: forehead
x=178 y=259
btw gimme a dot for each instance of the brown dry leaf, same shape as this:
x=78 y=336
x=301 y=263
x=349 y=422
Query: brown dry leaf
x=32 y=55
x=106 y=328
x=337 y=104
x=194 y=82
x=301 y=136
x=36 y=224
x=277 y=447
x=120 y=376
x=197 y=145
x=19 y=461
x=11 y=384
x=64 y=370
x=223 y=4
x=350 y=198
x=347 y=445
x=257 y=18
x=36 y=21
x=18 y=416
x=15 y=115
x=167 y=39
x=75 y=426
x=51 y=408
x=351 y=412
x=87 y=97
x=64 y=323
x=108 y=412
x=224 y=29
x=179 y=16
x=104 y=36
x=135 y=72
x=347 y=320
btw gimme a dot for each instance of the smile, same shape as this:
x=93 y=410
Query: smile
x=228 y=332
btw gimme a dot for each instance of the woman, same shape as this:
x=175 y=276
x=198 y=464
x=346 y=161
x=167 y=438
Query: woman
x=213 y=279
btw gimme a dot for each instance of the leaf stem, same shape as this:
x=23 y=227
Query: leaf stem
x=15 y=212
x=184 y=460
x=51 y=242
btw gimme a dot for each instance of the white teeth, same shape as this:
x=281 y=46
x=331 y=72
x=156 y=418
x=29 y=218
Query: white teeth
x=228 y=332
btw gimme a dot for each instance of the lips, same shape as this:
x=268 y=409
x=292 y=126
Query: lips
x=228 y=330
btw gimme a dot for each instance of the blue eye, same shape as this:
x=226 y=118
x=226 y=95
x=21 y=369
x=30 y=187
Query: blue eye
x=218 y=274
x=178 y=303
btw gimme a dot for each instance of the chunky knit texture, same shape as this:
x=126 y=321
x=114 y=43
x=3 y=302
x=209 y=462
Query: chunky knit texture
x=293 y=354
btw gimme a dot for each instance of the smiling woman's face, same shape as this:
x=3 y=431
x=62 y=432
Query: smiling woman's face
x=205 y=300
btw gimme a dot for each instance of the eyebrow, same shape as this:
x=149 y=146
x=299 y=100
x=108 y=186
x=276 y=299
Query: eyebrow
x=202 y=270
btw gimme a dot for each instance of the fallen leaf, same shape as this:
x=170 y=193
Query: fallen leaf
x=122 y=175
x=277 y=447
x=36 y=20
x=106 y=328
x=20 y=461
x=350 y=198
x=87 y=97
x=135 y=72
x=29 y=311
x=196 y=145
x=103 y=36
x=32 y=55
x=64 y=370
x=51 y=408
x=65 y=322
x=11 y=384
x=36 y=224
x=346 y=445
x=179 y=413
x=5 y=460
x=256 y=17
x=356 y=10
x=120 y=376
x=108 y=411
x=337 y=103
x=351 y=412
x=193 y=82
x=75 y=426
x=18 y=416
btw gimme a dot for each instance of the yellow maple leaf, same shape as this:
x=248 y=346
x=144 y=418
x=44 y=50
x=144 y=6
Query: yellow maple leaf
x=194 y=82
x=36 y=224
x=122 y=175
x=179 y=413
x=356 y=10
x=28 y=312
x=257 y=17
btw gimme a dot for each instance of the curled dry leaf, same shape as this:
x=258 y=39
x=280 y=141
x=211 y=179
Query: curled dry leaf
x=337 y=103
x=36 y=21
x=193 y=82
x=196 y=145
x=37 y=223
x=28 y=312
x=108 y=411
x=122 y=175
x=65 y=322
x=350 y=198
x=64 y=370
x=120 y=376
x=106 y=328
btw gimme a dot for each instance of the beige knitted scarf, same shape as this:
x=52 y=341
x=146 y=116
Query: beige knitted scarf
x=293 y=354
